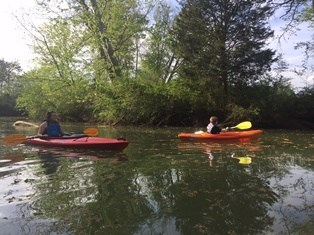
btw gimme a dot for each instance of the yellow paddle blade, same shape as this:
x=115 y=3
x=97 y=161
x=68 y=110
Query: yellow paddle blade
x=91 y=132
x=14 y=139
x=243 y=160
x=243 y=125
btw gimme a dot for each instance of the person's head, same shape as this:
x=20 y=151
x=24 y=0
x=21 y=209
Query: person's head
x=213 y=120
x=51 y=116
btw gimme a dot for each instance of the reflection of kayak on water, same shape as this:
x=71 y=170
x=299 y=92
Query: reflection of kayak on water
x=215 y=150
x=219 y=146
x=223 y=136
x=80 y=154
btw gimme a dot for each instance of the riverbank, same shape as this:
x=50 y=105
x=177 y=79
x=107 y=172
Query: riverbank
x=289 y=124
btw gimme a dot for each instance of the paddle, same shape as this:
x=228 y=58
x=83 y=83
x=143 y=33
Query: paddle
x=19 y=138
x=91 y=131
x=241 y=126
x=24 y=124
x=14 y=139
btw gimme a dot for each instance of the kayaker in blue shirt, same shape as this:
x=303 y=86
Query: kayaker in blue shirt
x=213 y=127
x=50 y=127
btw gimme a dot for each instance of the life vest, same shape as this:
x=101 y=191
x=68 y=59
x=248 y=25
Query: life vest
x=53 y=129
x=213 y=129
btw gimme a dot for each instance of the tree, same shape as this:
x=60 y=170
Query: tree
x=296 y=12
x=304 y=108
x=114 y=26
x=110 y=27
x=223 y=44
x=9 y=72
x=160 y=62
x=83 y=47
x=61 y=79
x=9 y=75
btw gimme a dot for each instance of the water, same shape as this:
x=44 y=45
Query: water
x=159 y=185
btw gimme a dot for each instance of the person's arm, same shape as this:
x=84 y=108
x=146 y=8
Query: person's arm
x=42 y=128
x=208 y=128
x=62 y=132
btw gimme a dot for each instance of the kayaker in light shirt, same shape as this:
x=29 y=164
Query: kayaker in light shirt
x=213 y=127
x=50 y=127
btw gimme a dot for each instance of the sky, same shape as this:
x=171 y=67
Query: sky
x=14 y=42
x=286 y=46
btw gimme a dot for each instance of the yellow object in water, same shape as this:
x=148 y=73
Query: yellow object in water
x=244 y=160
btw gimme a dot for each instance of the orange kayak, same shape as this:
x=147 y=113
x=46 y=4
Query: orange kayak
x=230 y=135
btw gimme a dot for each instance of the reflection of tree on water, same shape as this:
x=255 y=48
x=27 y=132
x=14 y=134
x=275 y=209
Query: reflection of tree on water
x=118 y=200
x=143 y=197
x=80 y=193
x=227 y=201
x=294 y=216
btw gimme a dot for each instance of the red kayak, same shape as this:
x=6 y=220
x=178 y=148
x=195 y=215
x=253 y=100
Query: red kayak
x=231 y=135
x=79 y=142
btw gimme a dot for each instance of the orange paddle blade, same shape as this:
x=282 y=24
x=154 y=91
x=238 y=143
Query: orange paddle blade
x=91 y=131
x=14 y=139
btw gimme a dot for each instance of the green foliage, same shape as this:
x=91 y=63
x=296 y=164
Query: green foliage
x=104 y=60
x=62 y=80
x=267 y=103
x=7 y=105
x=223 y=42
x=238 y=113
x=112 y=27
x=160 y=62
x=304 y=107
x=9 y=74
x=309 y=13
x=141 y=101
x=41 y=92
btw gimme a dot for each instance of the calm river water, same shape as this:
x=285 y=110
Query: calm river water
x=159 y=185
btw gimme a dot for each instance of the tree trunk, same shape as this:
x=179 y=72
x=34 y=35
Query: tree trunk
x=106 y=50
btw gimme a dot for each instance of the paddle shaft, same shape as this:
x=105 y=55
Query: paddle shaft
x=19 y=138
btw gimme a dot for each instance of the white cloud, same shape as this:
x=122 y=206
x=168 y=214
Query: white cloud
x=310 y=79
